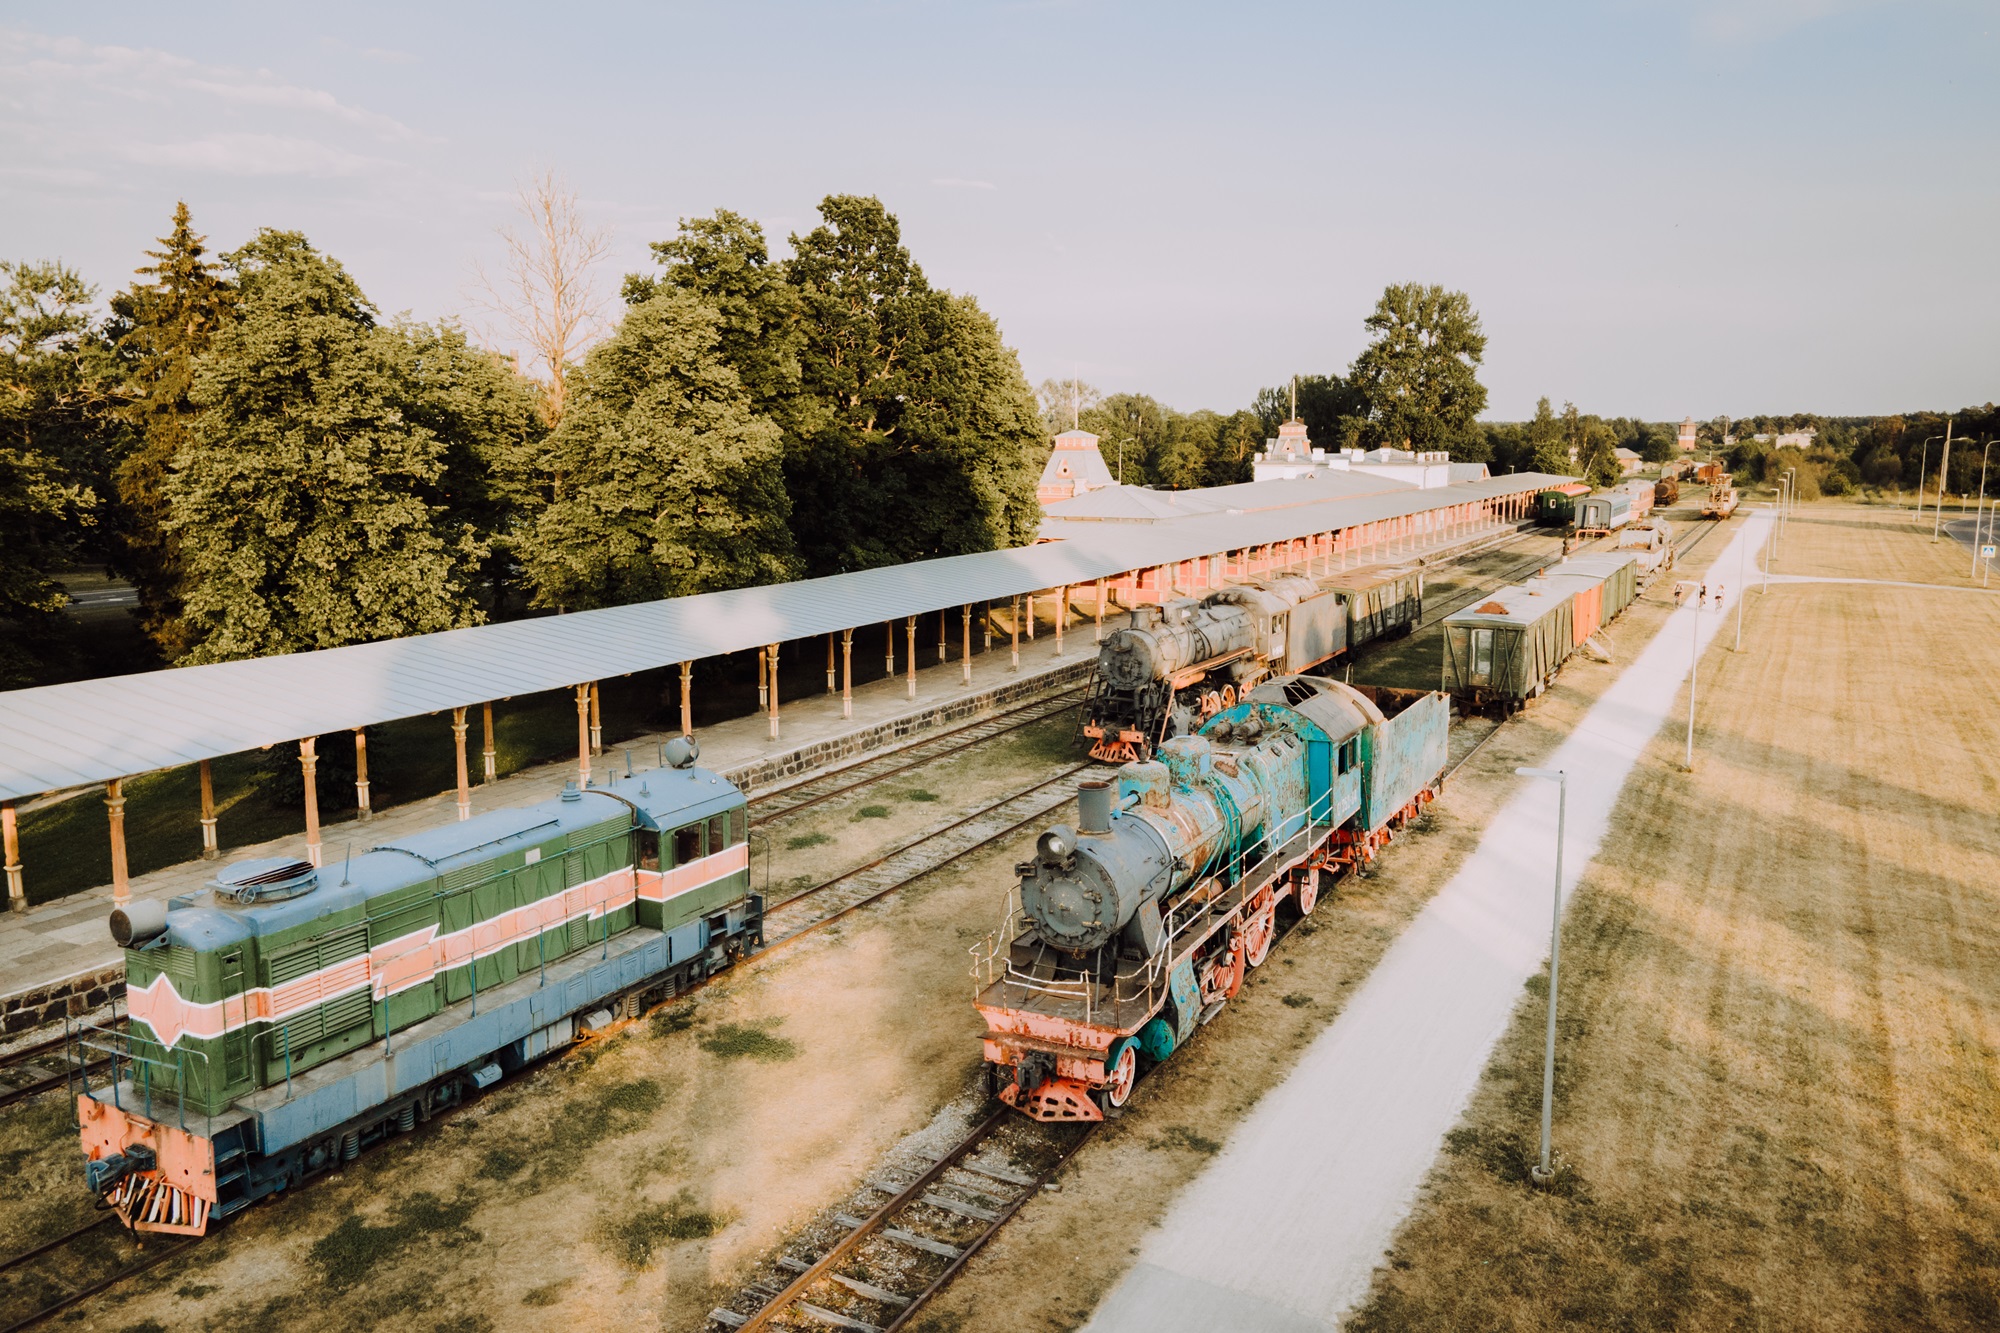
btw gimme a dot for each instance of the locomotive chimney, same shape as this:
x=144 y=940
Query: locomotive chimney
x=1093 y=807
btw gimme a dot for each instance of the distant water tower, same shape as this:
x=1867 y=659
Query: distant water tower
x=1687 y=435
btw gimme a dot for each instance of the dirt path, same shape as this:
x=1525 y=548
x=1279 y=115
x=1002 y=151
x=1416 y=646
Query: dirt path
x=1778 y=1082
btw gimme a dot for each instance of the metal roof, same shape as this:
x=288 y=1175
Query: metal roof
x=58 y=736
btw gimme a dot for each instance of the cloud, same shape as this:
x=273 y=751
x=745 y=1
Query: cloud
x=259 y=90
x=255 y=155
x=958 y=183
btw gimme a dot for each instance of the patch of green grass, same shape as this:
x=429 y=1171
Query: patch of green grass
x=502 y=1163
x=872 y=812
x=1297 y=1000
x=666 y=1022
x=618 y=1109
x=548 y=1293
x=919 y=794
x=805 y=840
x=733 y=1041
x=194 y=1291
x=636 y=1238
x=1180 y=1136
x=357 y=1249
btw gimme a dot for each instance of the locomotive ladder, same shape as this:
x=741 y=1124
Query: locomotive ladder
x=883 y=1268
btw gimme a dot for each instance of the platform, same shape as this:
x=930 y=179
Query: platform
x=58 y=957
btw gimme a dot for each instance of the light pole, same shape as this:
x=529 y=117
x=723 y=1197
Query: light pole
x=1976 y=522
x=1791 y=495
x=1922 y=460
x=1545 y=1173
x=1772 y=516
x=1944 y=479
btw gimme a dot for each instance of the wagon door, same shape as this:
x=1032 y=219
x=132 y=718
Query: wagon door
x=235 y=1022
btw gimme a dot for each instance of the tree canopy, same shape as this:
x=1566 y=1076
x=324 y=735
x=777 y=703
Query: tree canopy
x=1418 y=376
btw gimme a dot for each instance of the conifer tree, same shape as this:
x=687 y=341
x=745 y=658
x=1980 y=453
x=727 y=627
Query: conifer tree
x=662 y=479
x=309 y=508
x=1548 y=450
x=164 y=325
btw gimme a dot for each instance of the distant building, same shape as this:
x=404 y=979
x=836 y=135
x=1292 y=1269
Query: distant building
x=1688 y=435
x=1292 y=456
x=1629 y=461
x=1075 y=467
x=1791 y=439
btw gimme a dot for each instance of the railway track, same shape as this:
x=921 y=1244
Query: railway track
x=38 y=1068
x=87 y=1248
x=853 y=777
x=907 y=1233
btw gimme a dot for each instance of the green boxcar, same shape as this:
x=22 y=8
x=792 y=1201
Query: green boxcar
x=1380 y=603
x=1505 y=648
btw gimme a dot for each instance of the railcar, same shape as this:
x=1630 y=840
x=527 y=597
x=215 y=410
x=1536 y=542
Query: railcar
x=1507 y=649
x=287 y=1016
x=1170 y=667
x=1602 y=515
x=1556 y=507
x=1127 y=932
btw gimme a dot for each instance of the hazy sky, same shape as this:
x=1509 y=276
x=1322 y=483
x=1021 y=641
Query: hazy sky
x=1658 y=208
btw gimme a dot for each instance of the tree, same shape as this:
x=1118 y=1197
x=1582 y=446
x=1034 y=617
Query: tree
x=1064 y=402
x=662 y=478
x=924 y=438
x=1548 y=449
x=309 y=508
x=1418 y=374
x=163 y=325
x=54 y=456
x=546 y=295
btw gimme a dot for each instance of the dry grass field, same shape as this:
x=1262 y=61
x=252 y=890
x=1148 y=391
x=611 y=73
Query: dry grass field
x=1778 y=1093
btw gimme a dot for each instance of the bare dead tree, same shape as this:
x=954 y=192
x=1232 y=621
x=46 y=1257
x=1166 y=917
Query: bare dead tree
x=546 y=296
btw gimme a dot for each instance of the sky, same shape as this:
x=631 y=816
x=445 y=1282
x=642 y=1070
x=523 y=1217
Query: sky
x=1660 y=208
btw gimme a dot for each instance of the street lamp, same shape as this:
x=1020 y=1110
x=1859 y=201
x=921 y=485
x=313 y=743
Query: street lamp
x=1544 y=1174
x=1923 y=459
x=1791 y=494
x=1977 y=522
x=1944 y=479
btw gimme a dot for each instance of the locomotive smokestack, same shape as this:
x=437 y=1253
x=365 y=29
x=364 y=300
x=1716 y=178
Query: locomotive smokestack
x=1093 y=807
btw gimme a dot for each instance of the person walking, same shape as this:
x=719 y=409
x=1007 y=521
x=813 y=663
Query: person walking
x=1704 y=596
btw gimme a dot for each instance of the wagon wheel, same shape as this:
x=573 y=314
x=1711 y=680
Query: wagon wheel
x=1307 y=895
x=1121 y=1075
x=1257 y=932
x=1226 y=977
x=1228 y=696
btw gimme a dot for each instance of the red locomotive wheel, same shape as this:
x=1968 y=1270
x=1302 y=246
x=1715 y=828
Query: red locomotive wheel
x=1257 y=932
x=1229 y=696
x=1308 y=892
x=1122 y=1074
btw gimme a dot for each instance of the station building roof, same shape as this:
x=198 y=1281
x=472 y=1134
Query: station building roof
x=58 y=736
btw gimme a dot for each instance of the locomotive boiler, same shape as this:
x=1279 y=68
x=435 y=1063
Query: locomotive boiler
x=1130 y=929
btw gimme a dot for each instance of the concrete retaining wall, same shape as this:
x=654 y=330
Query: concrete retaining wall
x=51 y=1001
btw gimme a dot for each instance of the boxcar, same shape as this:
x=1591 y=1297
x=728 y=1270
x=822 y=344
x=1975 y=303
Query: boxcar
x=1380 y=603
x=1617 y=571
x=1603 y=513
x=1507 y=649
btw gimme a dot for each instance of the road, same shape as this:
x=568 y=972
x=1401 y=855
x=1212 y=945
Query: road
x=1282 y=1233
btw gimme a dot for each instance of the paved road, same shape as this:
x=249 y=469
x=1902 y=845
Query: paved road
x=1282 y=1233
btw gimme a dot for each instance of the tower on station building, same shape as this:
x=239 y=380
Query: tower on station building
x=1074 y=467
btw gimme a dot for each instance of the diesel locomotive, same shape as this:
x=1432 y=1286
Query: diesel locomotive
x=1173 y=666
x=1127 y=932
x=288 y=1016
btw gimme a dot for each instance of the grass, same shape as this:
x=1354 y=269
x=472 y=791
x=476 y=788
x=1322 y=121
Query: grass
x=636 y=1237
x=1180 y=1136
x=872 y=812
x=805 y=840
x=919 y=794
x=751 y=1041
x=1774 y=1066
x=356 y=1249
x=548 y=1293
x=607 y=1112
x=1297 y=1000
x=675 y=1018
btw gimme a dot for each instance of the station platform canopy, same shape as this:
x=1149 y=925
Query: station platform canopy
x=60 y=736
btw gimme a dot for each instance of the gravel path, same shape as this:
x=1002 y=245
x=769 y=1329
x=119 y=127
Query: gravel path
x=1283 y=1231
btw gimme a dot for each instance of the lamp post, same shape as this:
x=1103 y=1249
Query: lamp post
x=1944 y=479
x=1923 y=459
x=1545 y=1173
x=1791 y=495
x=1771 y=524
x=1977 y=521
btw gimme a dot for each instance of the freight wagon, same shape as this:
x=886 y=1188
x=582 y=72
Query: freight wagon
x=1602 y=515
x=1507 y=649
x=289 y=1015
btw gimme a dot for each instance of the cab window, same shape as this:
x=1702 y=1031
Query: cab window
x=649 y=850
x=687 y=844
x=718 y=833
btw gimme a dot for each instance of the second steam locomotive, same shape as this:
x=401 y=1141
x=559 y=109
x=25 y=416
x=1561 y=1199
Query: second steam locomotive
x=1175 y=665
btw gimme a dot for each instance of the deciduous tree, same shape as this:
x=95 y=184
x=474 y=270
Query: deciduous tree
x=1418 y=374
x=546 y=294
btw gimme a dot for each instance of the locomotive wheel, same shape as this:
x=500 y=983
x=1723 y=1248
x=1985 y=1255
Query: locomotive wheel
x=1226 y=977
x=1229 y=696
x=1308 y=892
x=1121 y=1074
x=1257 y=932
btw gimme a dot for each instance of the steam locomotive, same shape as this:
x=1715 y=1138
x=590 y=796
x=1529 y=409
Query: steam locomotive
x=288 y=1016
x=1175 y=665
x=1129 y=931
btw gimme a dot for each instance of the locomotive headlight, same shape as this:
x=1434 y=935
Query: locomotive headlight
x=1056 y=846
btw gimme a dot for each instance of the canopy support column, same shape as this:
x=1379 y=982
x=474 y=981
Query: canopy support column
x=209 y=851
x=361 y=806
x=986 y=626
x=1031 y=617
x=763 y=680
x=309 y=765
x=10 y=834
x=489 y=758
x=889 y=655
x=911 y=625
x=773 y=650
x=1100 y=613
x=583 y=735
x=458 y=730
x=596 y=720
x=687 y=698
x=1014 y=633
x=847 y=673
x=1062 y=614
x=829 y=664
x=121 y=880
x=944 y=626
x=965 y=655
